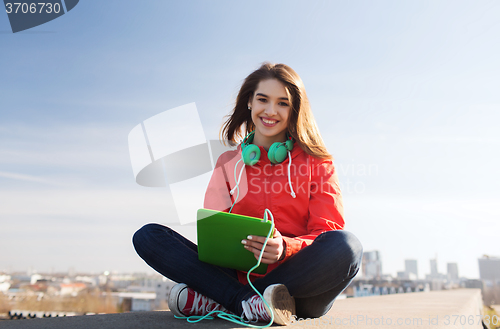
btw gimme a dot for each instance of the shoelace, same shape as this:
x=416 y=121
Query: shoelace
x=254 y=310
x=205 y=306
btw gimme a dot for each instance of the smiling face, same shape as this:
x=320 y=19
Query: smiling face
x=270 y=106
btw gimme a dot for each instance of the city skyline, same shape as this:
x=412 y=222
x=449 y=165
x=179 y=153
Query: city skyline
x=408 y=266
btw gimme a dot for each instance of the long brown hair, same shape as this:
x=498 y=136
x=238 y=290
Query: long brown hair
x=301 y=124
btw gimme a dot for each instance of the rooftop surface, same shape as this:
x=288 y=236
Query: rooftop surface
x=461 y=308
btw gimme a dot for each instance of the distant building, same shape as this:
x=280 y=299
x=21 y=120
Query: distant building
x=4 y=283
x=162 y=290
x=35 y=277
x=402 y=275
x=489 y=269
x=372 y=265
x=437 y=280
x=4 y=286
x=478 y=284
x=436 y=284
x=4 y=277
x=434 y=268
x=411 y=268
x=135 y=301
x=120 y=281
x=90 y=280
x=452 y=272
x=143 y=302
x=71 y=289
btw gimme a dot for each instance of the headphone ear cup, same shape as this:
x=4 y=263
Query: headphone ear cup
x=280 y=153
x=250 y=154
x=289 y=145
x=277 y=153
x=271 y=152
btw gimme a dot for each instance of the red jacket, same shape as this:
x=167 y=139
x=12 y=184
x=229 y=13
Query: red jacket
x=317 y=207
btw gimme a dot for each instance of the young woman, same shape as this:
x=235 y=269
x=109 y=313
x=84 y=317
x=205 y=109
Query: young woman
x=310 y=258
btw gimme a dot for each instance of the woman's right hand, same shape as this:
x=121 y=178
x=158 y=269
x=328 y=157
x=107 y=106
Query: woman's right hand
x=275 y=247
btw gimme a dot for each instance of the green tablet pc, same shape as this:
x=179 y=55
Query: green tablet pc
x=220 y=235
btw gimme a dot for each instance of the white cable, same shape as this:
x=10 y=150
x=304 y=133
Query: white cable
x=239 y=178
x=289 y=179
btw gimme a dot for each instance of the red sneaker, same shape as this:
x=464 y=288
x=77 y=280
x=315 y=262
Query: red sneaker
x=280 y=301
x=184 y=301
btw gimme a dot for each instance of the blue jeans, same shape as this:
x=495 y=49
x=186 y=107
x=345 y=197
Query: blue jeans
x=314 y=276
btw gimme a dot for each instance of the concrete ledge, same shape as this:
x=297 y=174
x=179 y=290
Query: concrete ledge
x=436 y=309
x=449 y=309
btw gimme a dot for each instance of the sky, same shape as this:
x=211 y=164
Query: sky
x=405 y=94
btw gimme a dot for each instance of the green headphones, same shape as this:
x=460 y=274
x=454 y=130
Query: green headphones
x=277 y=152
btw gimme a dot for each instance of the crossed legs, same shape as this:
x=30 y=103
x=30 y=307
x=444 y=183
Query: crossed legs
x=315 y=276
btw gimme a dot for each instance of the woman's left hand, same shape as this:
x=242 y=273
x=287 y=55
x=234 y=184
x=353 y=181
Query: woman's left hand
x=274 y=248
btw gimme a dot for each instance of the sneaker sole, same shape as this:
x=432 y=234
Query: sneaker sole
x=173 y=298
x=281 y=303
